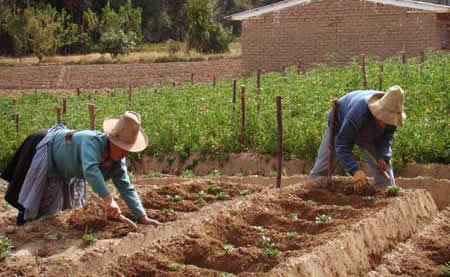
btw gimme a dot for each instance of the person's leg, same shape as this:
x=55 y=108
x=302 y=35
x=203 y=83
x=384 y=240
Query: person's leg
x=20 y=220
x=320 y=168
x=379 y=177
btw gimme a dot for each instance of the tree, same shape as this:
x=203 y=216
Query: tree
x=203 y=33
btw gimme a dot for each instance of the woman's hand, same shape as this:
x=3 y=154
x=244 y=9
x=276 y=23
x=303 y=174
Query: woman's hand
x=110 y=206
x=381 y=165
x=148 y=221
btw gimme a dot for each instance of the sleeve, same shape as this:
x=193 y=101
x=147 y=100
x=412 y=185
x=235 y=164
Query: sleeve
x=90 y=163
x=127 y=191
x=383 y=145
x=345 y=139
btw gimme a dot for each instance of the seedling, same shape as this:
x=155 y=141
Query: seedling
x=309 y=202
x=88 y=239
x=188 y=173
x=5 y=247
x=201 y=202
x=245 y=192
x=214 y=173
x=445 y=270
x=201 y=193
x=174 y=198
x=226 y=274
x=293 y=216
x=257 y=228
x=168 y=211
x=368 y=199
x=322 y=218
x=271 y=252
x=228 y=247
x=264 y=242
x=393 y=190
x=223 y=195
x=153 y=174
x=214 y=188
x=59 y=236
x=176 y=266
x=292 y=235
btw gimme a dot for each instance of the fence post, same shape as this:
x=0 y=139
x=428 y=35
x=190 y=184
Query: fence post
x=280 y=140
x=234 y=95
x=91 y=116
x=258 y=99
x=299 y=67
x=214 y=81
x=258 y=79
x=380 y=76
x=242 y=137
x=17 y=118
x=403 y=57
x=130 y=93
x=58 y=114
x=363 y=71
x=192 y=78
x=78 y=91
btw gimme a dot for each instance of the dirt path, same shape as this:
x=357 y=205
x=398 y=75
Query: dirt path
x=102 y=76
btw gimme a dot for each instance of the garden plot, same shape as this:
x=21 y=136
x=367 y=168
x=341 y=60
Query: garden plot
x=301 y=230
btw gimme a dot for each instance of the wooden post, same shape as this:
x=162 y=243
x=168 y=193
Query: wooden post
x=192 y=78
x=91 y=116
x=78 y=91
x=130 y=94
x=242 y=138
x=17 y=118
x=299 y=67
x=363 y=71
x=58 y=114
x=280 y=140
x=258 y=99
x=380 y=76
x=283 y=69
x=258 y=79
x=422 y=61
x=214 y=81
x=64 y=106
x=403 y=57
x=234 y=95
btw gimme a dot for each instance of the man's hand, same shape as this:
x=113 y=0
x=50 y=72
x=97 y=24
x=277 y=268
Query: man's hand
x=359 y=180
x=148 y=221
x=381 y=165
x=110 y=206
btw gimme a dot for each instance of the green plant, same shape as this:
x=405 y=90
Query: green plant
x=168 y=211
x=214 y=173
x=201 y=201
x=153 y=174
x=322 y=218
x=292 y=235
x=445 y=270
x=201 y=193
x=245 y=192
x=5 y=247
x=257 y=228
x=309 y=202
x=214 y=188
x=393 y=190
x=265 y=242
x=293 y=216
x=271 y=252
x=88 y=239
x=368 y=199
x=188 y=173
x=59 y=236
x=222 y=195
x=176 y=267
x=226 y=274
x=228 y=247
x=174 y=198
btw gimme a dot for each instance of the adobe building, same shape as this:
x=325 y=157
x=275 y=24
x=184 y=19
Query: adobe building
x=310 y=31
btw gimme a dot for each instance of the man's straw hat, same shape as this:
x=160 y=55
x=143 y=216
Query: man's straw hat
x=388 y=106
x=125 y=131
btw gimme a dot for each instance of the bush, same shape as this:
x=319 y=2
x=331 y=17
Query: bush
x=117 y=42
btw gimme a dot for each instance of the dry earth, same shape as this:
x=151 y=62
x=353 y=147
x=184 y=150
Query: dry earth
x=235 y=226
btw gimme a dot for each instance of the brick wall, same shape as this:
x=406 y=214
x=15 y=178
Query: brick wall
x=314 y=31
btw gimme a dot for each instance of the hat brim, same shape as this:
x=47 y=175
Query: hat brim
x=139 y=144
x=387 y=117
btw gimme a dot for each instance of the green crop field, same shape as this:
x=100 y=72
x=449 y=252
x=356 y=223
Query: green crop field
x=201 y=117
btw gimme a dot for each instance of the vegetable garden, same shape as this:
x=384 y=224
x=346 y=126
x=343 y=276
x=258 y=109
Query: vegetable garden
x=203 y=118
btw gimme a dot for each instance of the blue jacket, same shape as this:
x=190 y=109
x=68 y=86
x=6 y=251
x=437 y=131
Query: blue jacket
x=82 y=158
x=355 y=124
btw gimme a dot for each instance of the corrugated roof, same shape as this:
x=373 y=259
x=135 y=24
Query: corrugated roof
x=289 y=3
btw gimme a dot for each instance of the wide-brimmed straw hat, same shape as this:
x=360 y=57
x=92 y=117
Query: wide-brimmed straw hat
x=125 y=131
x=388 y=106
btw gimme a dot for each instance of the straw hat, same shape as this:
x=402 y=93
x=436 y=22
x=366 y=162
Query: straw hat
x=125 y=131
x=388 y=106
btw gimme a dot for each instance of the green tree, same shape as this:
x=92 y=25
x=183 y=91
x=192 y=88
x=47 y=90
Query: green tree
x=203 y=33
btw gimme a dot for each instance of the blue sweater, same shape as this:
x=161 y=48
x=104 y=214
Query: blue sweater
x=82 y=159
x=355 y=124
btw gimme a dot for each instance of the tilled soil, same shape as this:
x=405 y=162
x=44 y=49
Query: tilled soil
x=215 y=227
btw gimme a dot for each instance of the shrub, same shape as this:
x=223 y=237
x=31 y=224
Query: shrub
x=88 y=239
x=5 y=247
x=393 y=190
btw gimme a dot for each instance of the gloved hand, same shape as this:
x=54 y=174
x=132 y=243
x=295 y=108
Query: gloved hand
x=359 y=180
